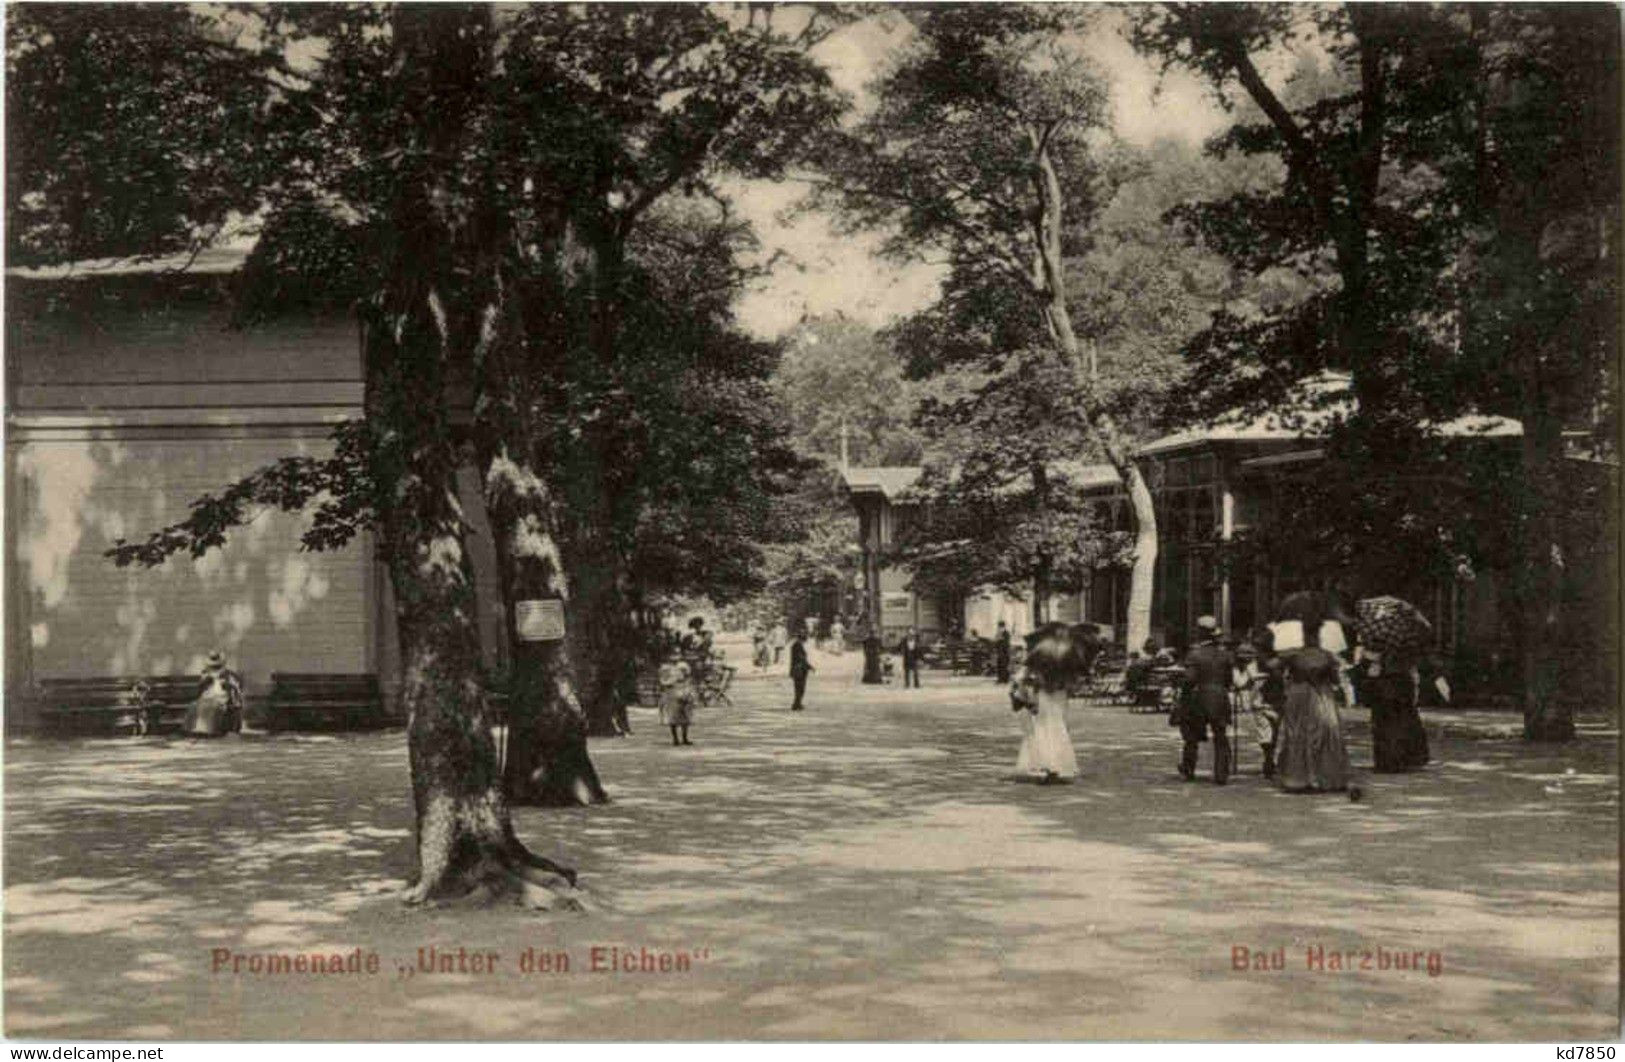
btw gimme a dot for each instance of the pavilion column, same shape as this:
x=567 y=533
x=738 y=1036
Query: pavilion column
x=869 y=534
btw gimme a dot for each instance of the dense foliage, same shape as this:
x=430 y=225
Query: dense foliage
x=1450 y=197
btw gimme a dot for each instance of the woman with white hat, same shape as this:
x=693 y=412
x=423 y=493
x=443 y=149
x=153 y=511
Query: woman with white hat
x=218 y=708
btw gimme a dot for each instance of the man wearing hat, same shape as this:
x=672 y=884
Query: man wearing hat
x=1205 y=704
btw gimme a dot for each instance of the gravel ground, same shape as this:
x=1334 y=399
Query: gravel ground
x=866 y=869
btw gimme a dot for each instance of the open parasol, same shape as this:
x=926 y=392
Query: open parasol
x=1055 y=656
x=1393 y=625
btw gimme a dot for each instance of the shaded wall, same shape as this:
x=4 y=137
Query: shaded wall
x=128 y=397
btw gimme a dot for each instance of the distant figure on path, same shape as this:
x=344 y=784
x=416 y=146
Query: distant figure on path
x=1204 y=703
x=778 y=639
x=910 y=649
x=799 y=670
x=837 y=637
x=1137 y=677
x=760 y=655
x=677 y=700
x=218 y=708
x=1001 y=654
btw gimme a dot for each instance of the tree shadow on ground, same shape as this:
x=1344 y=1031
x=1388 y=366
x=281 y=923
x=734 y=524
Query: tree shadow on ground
x=863 y=869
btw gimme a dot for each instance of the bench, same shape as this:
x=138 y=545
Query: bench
x=961 y=658
x=135 y=705
x=1160 y=691
x=324 y=702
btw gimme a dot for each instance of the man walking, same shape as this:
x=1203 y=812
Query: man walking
x=909 y=649
x=799 y=669
x=777 y=639
x=1205 y=701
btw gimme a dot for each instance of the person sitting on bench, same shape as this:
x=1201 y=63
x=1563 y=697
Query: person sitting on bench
x=218 y=708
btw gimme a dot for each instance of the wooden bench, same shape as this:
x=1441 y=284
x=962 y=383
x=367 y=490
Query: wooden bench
x=961 y=658
x=135 y=705
x=301 y=701
x=1160 y=691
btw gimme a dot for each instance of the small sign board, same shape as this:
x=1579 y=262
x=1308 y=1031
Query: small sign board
x=540 y=620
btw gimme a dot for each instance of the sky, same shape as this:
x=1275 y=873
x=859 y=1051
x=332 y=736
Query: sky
x=828 y=273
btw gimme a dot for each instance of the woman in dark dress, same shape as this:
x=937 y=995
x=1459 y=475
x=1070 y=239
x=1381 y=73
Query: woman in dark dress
x=1311 y=756
x=1390 y=686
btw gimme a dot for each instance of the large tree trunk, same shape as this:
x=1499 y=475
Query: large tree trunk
x=595 y=573
x=429 y=323
x=465 y=839
x=1547 y=715
x=547 y=760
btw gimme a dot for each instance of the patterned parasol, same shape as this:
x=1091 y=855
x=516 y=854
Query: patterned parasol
x=1392 y=624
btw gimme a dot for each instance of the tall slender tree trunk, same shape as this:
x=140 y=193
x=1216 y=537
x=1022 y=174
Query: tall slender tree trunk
x=1143 y=577
x=1043 y=575
x=1050 y=282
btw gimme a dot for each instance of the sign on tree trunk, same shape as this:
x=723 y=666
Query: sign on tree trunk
x=540 y=620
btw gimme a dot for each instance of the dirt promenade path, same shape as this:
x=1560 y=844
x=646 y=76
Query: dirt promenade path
x=866 y=869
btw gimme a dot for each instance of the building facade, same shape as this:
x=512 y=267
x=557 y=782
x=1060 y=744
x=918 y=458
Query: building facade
x=1212 y=486
x=129 y=395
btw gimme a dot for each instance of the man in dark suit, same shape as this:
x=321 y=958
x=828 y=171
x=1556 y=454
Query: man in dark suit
x=1205 y=704
x=1001 y=654
x=910 y=649
x=799 y=669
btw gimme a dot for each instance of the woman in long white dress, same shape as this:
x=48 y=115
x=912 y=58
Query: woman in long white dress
x=218 y=709
x=1040 y=690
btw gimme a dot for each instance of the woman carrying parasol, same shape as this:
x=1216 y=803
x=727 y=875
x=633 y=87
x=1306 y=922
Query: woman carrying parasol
x=1055 y=659
x=1394 y=636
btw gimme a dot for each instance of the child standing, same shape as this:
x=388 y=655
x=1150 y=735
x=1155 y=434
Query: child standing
x=1248 y=679
x=677 y=700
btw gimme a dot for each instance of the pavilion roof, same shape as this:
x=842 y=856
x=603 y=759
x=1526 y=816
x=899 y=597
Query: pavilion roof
x=1307 y=414
x=887 y=480
x=211 y=261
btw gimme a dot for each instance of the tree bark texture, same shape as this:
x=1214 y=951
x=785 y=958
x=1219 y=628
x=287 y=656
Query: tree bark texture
x=547 y=760
x=1547 y=714
x=597 y=574
x=416 y=331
